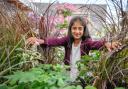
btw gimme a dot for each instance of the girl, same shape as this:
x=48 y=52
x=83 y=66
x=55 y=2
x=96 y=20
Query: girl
x=77 y=43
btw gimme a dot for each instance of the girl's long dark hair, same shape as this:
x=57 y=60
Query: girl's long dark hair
x=83 y=23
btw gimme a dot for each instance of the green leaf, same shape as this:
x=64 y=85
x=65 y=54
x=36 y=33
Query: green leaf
x=60 y=82
x=69 y=87
x=3 y=86
x=78 y=87
x=53 y=87
x=25 y=77
x=119 y=88
x=86 y=58
x=90 y=87
x=21 y=86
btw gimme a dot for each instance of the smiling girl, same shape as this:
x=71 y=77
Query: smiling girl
x=77 y=43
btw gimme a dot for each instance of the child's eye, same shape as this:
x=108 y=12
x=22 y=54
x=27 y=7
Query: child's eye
x=74 y=28
x=80 y=28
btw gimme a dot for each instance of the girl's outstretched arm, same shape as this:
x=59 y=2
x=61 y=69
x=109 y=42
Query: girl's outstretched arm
x=98 y=44
x=48 y=41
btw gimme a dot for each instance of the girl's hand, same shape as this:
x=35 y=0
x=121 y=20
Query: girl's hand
x=112 y=45
x=34 y=40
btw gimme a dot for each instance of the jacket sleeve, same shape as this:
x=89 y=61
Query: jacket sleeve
x=95 y=45
x=55 y=42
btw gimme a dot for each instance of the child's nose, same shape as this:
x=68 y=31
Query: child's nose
x=77 y=30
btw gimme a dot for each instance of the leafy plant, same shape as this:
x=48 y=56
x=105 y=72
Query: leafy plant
x=87 y=66
x=14 y=28
x=67 y=13
x=119 y=88
x=90 y=87
x=41 y=77
x=62 y=25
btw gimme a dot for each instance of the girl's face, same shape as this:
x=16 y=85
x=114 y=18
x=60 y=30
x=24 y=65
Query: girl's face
x=77 y=30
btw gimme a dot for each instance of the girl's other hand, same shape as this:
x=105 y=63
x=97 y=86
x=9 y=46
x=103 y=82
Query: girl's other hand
x=112 y=45
x=34 y=40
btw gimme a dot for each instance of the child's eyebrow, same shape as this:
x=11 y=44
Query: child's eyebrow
x=77 y=26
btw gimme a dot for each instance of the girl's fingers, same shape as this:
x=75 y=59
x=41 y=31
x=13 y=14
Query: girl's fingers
x=114 y=47
x=31 y=40
x=109 y=49
x=119 y=44
x=34 y=40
